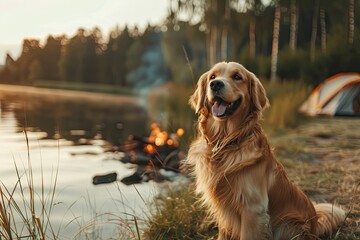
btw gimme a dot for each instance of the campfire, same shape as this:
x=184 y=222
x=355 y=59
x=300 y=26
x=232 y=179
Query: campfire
x=159 y=151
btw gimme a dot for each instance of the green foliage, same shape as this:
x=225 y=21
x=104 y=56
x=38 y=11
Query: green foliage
x=80 y=60
x=35 y=71
x=50 y=58
x=113 y=68
x=183 y=47
x=336 y=60
x=162 y=53
x=292 y=63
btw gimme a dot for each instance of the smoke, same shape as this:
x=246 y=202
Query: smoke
x=152 y=71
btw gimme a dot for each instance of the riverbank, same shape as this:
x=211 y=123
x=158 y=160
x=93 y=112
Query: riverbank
x=68 y=94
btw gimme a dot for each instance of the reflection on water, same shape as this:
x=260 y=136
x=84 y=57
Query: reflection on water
x=74 y=119
x=52 y=121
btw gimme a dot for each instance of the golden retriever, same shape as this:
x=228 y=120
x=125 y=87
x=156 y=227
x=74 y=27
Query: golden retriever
x=244 y=187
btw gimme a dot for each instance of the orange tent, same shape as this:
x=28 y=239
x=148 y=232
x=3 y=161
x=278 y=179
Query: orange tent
x=338 y=95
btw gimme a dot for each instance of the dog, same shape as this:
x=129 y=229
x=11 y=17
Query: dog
x=245 y=189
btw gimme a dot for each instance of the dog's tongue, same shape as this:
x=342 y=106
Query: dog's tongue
x=218 y=109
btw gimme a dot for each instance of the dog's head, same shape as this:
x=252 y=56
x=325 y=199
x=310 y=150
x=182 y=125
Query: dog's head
x=229 y=92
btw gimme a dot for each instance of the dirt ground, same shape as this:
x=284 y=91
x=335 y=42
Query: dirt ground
x=323 y=157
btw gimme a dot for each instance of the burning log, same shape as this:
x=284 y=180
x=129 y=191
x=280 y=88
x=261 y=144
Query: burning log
x=158 y=151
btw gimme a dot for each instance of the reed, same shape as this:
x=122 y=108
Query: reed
x=25 y=213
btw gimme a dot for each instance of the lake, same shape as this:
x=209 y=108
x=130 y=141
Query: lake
x=67 y=132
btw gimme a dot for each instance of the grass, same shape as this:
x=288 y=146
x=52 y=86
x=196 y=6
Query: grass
x=20 y=215
x=285 y=99
x=177 y=215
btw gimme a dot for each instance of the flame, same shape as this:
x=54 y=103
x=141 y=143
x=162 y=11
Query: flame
x=180 y=132
x=155 y=130
x=159 y=138
x=169 y=142
x=150 y=149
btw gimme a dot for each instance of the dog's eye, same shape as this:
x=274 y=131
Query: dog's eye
x=237 y=77
x=212 y=76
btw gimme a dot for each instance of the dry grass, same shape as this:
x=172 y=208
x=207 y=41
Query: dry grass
x=285 y=99
x=21 y=217
x=177 y=215
x=323 y=158
x=26 y=213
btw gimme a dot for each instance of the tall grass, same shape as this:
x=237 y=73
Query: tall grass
x=26 y=209
x=20 y=213
x=117 y=224
x=285 y=99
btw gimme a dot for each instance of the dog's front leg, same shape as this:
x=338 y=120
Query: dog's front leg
x=255 y=225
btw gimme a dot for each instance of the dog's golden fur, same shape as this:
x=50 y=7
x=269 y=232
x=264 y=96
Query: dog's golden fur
x=244 y=187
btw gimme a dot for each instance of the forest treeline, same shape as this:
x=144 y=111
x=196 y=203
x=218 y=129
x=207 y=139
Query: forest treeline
x=305 y=40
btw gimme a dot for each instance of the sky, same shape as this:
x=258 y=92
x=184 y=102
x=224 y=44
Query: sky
x=21 y=19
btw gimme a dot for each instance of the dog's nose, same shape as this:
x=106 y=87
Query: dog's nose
x=216 y=85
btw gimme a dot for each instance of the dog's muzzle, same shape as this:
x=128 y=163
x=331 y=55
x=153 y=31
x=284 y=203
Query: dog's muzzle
x=221 y=108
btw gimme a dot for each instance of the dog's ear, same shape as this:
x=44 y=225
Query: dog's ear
x=258 y=94
x=198 y=99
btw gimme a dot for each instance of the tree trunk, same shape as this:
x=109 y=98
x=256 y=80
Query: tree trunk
x=213 y=36
x=213 y=45
x=323 y=30
x=314 y=30
x=275 y=43
x=252 y=43
x=351 y=21
x=224 y=34
x=224 y=39
x=293 y=25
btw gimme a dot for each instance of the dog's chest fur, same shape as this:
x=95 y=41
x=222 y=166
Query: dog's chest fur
x=227 y=181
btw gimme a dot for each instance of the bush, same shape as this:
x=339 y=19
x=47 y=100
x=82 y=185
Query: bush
x=291 y=64
x=340 y=57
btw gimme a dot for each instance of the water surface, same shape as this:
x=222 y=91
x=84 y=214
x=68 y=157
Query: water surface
x=66 y=143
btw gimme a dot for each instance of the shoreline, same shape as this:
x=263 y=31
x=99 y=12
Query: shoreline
x=68 y=94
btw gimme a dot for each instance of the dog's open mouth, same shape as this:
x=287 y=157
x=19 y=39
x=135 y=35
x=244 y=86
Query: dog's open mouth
x=222 y=108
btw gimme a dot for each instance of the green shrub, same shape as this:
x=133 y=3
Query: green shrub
x=291 y=64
